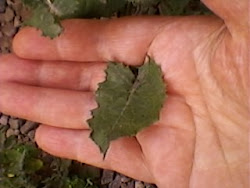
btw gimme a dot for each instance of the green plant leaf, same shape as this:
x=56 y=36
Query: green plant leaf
x=64 y=8
x=2 y=139
x=127 y=102
x=32 y=165
x=173 y=7
x=97 y=8
x=47 y=14
x=44 y=20
x=32 y=3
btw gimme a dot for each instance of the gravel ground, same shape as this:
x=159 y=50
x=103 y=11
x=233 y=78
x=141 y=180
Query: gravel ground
x=12 y=15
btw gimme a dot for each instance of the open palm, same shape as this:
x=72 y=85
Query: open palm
x=201 y=139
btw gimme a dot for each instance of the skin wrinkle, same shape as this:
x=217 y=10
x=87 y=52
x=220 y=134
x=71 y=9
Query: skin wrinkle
x=193 y=169
x=220 y=139
x=101 y=48
x=80 y=149
x=225 y=113
x=144 y=161
x=227 y=122
x=234 y=160
x=60 y=49
x=242 y=70
x=160 y=29
x=91 y=83
x=38 y=73
x=81 y=82
x=170 y=166
x=213 y=37
x=195 y=146
x=113 y=165
x=231 y=74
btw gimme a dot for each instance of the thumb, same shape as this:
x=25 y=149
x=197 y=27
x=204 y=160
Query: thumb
x=233 y=12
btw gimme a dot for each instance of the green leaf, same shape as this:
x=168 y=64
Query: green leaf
x=173 y=7
x=10 y=142
x=64 y=8
x=32 y=165
x=127 y=102
x=2 y=139
x=14 y=160
x=47 y=14
x=32 y=3
x=98 y=8
x=44 y=20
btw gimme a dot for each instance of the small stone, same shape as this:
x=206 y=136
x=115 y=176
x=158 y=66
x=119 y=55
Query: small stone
x=107 y=177
x=31 y=135
x=9 y=30
x=10 y=132
x=2 y=6
x=17 y=6
x=116 y=183
x=125 y=179
x=15 y=123
x=147 y=185
x=25 y=14
x=9 y=14
x=4 y=120
x=1 y=18
x=123 y=185
x=28 y=126
x=24 y=139
x=16 y=132
x=139 y=184
x=4 y=128
x=5 y=44
x=10 y=2
x=131 y=184
x=17 y=22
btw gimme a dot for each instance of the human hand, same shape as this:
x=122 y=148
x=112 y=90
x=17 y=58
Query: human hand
x=201 y=139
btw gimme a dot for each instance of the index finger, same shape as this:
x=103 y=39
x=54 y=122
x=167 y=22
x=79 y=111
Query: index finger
x=124 y=39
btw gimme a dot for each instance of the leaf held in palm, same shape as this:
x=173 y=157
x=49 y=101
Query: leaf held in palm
x=128 y=102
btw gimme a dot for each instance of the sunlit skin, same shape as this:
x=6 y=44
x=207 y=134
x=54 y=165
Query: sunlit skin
x=201 y=139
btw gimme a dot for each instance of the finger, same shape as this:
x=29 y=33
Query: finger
x=63 y=75
x=125 y=40
x=69 y=109
x=124 y=155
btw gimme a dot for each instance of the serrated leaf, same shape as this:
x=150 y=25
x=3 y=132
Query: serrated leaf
x=32 y=3
x=44 y=20
x=64 y=8
x=32 y=165
x=127 y=102
x=173 y=7
x=144 y=2
x=98 y=8
x=2 y=140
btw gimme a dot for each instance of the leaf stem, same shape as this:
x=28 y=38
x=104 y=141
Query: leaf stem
x=53 y=9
